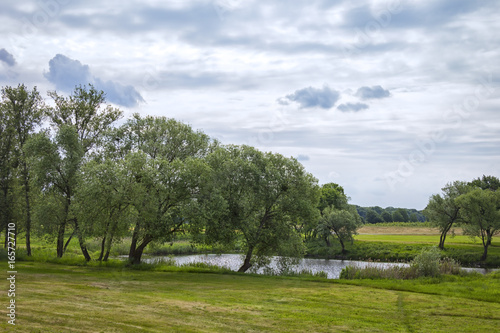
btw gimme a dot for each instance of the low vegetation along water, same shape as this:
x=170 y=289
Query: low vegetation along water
x=233 y=261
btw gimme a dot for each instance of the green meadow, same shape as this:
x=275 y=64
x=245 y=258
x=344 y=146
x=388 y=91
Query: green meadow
x=62 y=298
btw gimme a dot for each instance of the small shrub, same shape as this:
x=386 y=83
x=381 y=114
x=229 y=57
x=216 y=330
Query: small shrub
x=348 y=272
x=427 y=263
x=449 y=266
x=164 y=261
x=321 y=274
x=307 y=272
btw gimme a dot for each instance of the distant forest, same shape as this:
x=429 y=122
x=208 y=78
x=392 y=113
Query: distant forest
x=390 y=214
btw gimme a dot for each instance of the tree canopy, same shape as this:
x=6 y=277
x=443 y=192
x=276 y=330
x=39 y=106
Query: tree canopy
x=443 y=211
x=261 y=196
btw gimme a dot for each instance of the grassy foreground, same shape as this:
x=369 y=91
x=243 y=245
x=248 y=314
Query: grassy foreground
x=59 y=298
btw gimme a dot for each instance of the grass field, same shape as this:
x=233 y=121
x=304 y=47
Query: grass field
x=59 y=298
x=423 y=239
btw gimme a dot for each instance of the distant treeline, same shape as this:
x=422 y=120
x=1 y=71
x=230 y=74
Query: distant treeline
x=390 y=214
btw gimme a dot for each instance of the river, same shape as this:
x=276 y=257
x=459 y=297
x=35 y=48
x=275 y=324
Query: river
x=331 y=267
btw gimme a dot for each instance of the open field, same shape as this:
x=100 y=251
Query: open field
x=368 y=229
x=423 y=239
x=58 y=298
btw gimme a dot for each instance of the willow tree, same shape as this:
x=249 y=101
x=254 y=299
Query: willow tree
x=164 y=163
x=25 y=109
x=443 y=211
x=6 y=170
x=79 y=122
x=101 y=204
x=481 y=212
x=257 y=199
x=341 y=222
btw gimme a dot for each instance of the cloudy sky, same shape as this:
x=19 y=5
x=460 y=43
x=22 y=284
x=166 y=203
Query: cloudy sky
x=391 y=99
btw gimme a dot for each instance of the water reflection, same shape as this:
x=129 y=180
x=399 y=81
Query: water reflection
x=331 y=267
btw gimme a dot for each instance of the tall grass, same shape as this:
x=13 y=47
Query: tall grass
x=427 y=264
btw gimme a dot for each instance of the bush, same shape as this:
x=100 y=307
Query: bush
x=450 y=266
x=427 y=263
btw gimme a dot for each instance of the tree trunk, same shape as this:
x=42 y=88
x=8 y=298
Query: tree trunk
x=109 y=242
x=133 y=244
x=247 y=264
x=28 y=208
x=67 y=242
x=442 y=238
x=135 y=258
x=102 y=248
x=486 y=243
x=342 y=244
x=327 y=241
x=444 y=233
x=106 y=256
x=6 y=235
x=485 y=253
x=60 y=240
x=81 y=241
x=83 y=247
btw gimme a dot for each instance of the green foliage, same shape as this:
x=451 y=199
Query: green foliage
x=481 y=212
x=373 y=217
x=258 y=196
x=332 y=195
x=486 y=183
x=85 y=110
x=342 y=223
x=443 y=211
x=378 y=214
x=427 y=262
x=160 y=172
x=387 y=217
x=22 y=111
x=397 y=216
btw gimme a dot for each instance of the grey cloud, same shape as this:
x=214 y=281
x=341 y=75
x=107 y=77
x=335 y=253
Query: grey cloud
x=7 y=57
x=301 y=158
x=118 y=93
x=313 y=97
x=352 y=107
x=67 y=73
x=375 y=92
x=429 y=14
x=200 y=18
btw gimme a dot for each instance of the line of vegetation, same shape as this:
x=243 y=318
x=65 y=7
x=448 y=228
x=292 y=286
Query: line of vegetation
x=428 y=263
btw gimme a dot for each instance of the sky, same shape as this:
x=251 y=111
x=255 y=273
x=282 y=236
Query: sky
x=391 y=99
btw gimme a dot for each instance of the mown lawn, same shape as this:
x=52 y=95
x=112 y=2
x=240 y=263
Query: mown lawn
x=59 y=298
x=422 y=239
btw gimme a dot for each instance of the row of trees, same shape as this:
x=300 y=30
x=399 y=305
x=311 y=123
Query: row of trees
x=378 y=214
x=68 y=172
x=474 y=206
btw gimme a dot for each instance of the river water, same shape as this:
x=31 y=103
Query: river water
x=330 y=266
